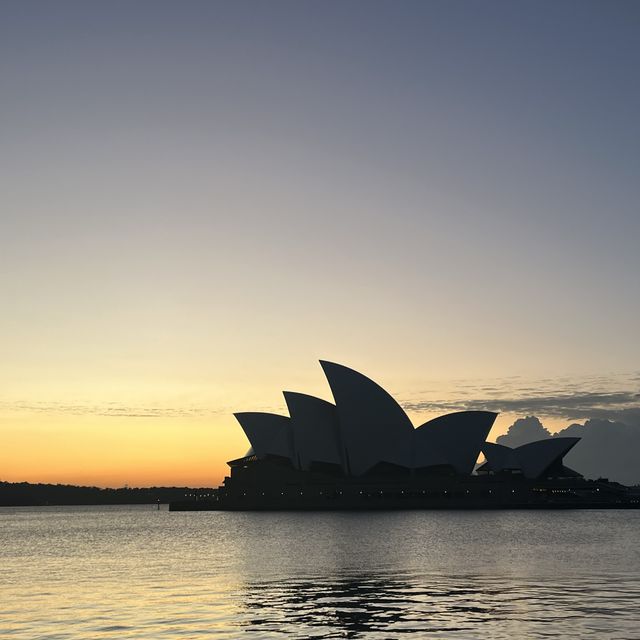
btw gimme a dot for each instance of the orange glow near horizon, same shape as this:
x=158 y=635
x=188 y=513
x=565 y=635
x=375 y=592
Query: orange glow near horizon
x=135 y=451
x=114 y=452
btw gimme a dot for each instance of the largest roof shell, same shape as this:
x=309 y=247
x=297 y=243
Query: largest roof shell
x=372 y=423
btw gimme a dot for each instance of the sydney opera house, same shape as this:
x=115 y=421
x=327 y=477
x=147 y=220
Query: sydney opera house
x=363 y=452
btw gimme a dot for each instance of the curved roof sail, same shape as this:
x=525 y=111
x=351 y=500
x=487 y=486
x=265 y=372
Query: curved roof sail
x=314 y=425
x=536 y=457
x=372 y=423
x=533 y=459
x=459 y=436
x=427 y=450
x=268 y=433
x=499 y=457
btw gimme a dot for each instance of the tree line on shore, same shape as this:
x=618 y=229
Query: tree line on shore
x=14 y=494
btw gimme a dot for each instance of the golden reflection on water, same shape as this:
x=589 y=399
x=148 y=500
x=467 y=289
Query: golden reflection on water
x=132 y=572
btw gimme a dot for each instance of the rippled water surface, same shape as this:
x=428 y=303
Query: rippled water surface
x=134 y=572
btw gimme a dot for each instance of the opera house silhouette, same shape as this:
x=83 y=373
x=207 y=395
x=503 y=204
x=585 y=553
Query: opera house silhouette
x=363 y=452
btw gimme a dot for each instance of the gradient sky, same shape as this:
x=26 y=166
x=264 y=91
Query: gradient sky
x=200 y=199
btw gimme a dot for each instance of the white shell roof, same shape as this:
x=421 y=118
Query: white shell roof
x=536 y=457
x=499 y=457
x=372 y=423
x=268 y=433
x=314 y=424
x=458 y=436
x=533 y=459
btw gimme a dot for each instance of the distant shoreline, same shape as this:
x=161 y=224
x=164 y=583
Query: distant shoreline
x=26 y=494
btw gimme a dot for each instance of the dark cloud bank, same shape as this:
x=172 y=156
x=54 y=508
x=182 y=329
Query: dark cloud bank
x=609 y=405
x=607 y=448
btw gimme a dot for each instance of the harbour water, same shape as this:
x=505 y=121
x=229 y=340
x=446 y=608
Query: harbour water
x=135 y=572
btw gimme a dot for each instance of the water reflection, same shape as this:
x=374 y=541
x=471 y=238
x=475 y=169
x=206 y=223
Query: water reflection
x=351 y=606
x=384 y=606
x=102 y=574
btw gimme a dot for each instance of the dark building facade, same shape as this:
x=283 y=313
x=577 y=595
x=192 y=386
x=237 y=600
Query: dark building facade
x=363 y=452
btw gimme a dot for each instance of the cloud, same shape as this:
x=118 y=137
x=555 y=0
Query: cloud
x=522 y=431
x=109 y=410
x=569 y=405
x=607 y=448
x=605 y=397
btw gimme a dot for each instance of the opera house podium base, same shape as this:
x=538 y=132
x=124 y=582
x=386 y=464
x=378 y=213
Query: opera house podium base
x=256 y=490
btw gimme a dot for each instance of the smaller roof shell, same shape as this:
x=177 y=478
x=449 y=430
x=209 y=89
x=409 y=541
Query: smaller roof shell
x=458 y=437
x=533 y=458
x=536 y=457
x=498 y=457
x=314 y=425
x=268 y=433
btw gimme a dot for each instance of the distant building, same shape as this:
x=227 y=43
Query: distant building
x=363 y=452
x=367 y=432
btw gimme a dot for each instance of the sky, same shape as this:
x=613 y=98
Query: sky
x=202 y=199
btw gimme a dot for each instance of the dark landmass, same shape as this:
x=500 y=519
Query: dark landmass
x=23 y=494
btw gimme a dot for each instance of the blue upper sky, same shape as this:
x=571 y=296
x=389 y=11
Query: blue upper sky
x=451 y=162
